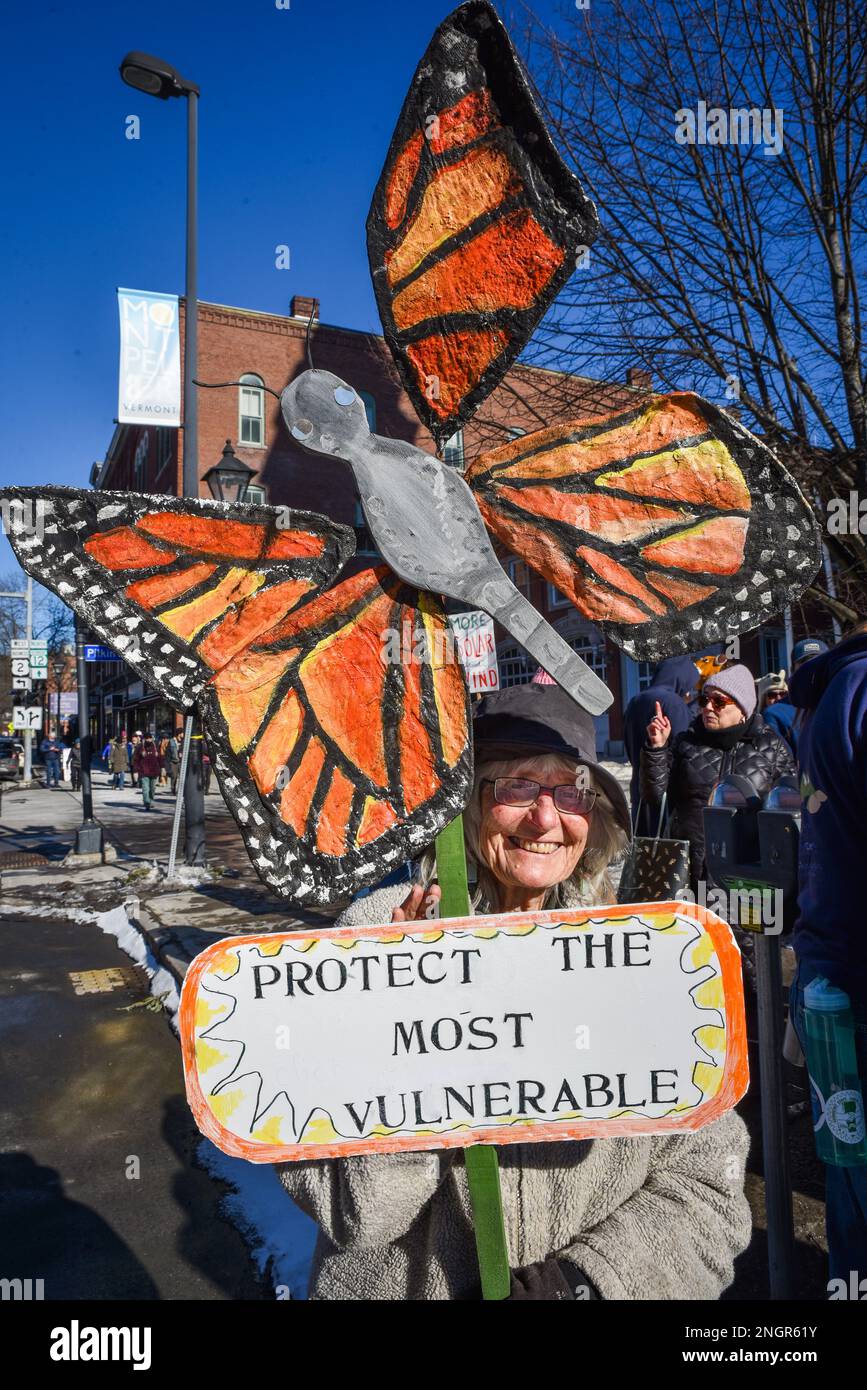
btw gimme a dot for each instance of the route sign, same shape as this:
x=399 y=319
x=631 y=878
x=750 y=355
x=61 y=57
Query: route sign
x=26 y=717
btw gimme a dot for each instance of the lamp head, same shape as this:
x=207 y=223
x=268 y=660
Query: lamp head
x=154 y=76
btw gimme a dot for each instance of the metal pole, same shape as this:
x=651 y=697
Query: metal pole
x=193 y=796
x=191 y=320
x=28 y=733
x=778 y=1185
x=790 y=636
x=179 y=797
x=89 y=839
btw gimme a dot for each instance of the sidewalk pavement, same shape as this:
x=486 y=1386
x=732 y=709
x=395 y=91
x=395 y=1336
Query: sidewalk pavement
x=179 y=918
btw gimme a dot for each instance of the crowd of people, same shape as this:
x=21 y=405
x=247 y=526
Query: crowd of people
x=811 y=729
x=150 y=762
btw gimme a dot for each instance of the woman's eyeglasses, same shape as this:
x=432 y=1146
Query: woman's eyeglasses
x=774 y=695
x=718 y=702
x=521 y=791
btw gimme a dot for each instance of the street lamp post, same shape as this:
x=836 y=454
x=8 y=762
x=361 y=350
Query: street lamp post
x=88 y=839
x=158 y=78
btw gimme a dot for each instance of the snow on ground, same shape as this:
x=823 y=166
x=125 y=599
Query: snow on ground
x=184 y=876
x=279 y=1235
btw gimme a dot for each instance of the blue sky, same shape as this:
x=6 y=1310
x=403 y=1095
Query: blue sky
x=296 y=113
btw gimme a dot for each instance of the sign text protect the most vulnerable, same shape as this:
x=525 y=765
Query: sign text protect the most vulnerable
x=499 y=1029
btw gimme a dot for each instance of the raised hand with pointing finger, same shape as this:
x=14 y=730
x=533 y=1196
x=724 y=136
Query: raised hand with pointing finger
x=659 y=729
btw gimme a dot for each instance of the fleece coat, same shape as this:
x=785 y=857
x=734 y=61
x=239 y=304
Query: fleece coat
x=644 y=1218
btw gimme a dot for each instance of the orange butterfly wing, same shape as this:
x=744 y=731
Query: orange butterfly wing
x=339 y=755
x=668 y=524
x=175 y=587
x=475 y=222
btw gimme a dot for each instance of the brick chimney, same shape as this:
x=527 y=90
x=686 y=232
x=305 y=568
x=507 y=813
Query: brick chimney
x=640 y=377
x=302 y=307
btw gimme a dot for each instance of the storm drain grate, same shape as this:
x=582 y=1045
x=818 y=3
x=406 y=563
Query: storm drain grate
x=19 y=859
x=104 y=981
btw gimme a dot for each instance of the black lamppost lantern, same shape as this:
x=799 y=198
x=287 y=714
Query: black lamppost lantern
x=230 y=478
x=155 y=76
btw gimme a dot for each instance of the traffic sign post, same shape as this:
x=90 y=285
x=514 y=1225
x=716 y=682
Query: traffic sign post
x=20 y=649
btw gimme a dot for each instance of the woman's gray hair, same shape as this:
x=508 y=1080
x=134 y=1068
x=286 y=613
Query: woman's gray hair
x=588 y=884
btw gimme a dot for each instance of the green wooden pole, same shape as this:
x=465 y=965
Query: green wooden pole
x=483 y=1174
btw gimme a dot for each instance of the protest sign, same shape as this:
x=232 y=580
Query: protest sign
x=574 y=1024
x=474 y=638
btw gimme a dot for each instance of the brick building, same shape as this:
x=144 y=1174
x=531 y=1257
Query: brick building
x=261 y=350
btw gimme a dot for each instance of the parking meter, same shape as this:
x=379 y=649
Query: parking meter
x=751 y=850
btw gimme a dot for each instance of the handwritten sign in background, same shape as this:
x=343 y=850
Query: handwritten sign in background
x=497 y=1029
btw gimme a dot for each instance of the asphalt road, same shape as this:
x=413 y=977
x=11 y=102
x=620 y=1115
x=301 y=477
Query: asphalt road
x=92 y=1094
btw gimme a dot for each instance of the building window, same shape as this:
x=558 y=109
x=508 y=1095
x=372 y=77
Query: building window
x=369 y=409
x=364 y=542
x=519 y=574
x=516 y=668
x=591 y=652
x=645 y=674
x=142 y=449
x=256 y=495
x=555 y=598
x=771 y=649
x=251 y=405
x=164 y=450
x=453 y=450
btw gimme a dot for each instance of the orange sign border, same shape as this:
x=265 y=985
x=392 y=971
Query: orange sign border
x=732 y=1087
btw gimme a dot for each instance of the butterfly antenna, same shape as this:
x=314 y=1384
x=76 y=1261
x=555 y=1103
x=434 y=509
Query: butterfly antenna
x=217 y=385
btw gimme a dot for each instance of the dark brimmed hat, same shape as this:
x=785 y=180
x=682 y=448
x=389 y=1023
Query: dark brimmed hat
x=542 y=719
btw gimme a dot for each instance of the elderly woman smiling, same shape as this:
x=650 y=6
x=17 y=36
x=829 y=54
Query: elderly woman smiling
x=637 y=1218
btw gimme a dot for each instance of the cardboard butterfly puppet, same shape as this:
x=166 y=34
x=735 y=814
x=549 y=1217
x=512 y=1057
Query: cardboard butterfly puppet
x=667 y=524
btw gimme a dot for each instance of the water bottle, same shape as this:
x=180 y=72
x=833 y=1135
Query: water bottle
x=830 y=1037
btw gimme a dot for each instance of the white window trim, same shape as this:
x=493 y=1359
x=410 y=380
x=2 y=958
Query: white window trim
x=459 y=436
x=257 y=384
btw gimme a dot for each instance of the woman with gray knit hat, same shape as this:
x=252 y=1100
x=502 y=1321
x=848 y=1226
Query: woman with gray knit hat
x=728 y=736
x=637 y=1218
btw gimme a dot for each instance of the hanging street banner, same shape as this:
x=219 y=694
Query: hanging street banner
x=149 y=390
x=64 y=703
x=474 y=639
x=575 y=1024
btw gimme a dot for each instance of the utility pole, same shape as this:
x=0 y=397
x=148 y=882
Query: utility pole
x=146 y=73
x=191 y=785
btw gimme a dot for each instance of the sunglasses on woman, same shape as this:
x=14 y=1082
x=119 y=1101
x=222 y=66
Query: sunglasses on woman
x=774 y=695
x=718 y=702
x=522 y=791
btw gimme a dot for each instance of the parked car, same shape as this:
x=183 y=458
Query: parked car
x=10 y=760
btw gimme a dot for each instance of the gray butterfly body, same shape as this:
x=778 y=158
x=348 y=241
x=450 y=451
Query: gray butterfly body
x=427 y=525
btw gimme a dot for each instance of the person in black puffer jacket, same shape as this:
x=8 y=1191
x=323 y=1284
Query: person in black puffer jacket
x=728 y=736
